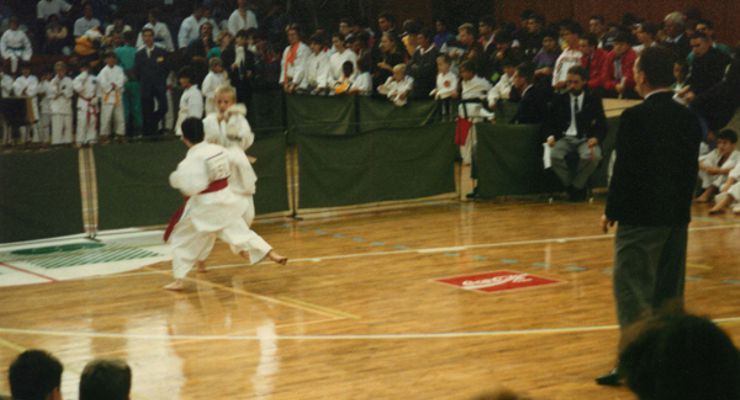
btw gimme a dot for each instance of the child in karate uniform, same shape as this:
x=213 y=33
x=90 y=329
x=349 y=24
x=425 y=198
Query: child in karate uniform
x=215 y=78
x=715 y=166
x=111 y=81
x=60 y=94
x=191 y=101
x=27 y=85
x=86 y=87
x=398 y=86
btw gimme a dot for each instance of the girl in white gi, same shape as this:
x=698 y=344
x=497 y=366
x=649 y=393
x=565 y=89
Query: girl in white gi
x=86 y=87
x=398 y=86
x=715 y=166
x=60 y=94
x=111 y=81
x=215 y=78
x=44 y=128
x=229 y=128
x=15 y=46
x=6 y=90
x=191 y=100
x=27 y=85
x=212 y=209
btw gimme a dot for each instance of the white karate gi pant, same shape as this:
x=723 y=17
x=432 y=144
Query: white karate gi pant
x=708 y=180
x=112 y=114
x=44 y=129
x=87 y=121
x=61 y=128
x=248 y=218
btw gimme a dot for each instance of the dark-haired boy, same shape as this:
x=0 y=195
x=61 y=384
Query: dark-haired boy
x=35 y=375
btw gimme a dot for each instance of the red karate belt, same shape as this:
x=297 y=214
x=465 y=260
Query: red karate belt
x=462 y=128
x=215 y=186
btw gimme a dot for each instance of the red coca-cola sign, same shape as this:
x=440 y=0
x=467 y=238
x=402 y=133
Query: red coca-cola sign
x=497 y=281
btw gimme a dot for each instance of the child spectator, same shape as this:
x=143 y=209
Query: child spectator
x=342 y=86
x=111 y=82
x=398 y=86
x=215 y=78
x=105 y=379
x=716 y=166
x=341 y=55
x=680 y=72
x=502 y=89
x=446 y=80
x=44 y=127
x=191 y=100
x=362 y=82
x=315 y=77
x=60 y=93
x=86 y=88
x=35 y=374
x=27 y=85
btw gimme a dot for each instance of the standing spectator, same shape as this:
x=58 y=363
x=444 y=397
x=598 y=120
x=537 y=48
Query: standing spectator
x=294 y=58
x=216 y=78
x=126 y=55
x=532 y=107
x=118 y=27
x=532 y=40
x=199 y=48
x=44 y=127
x=646 y=35
x=35 y=375
x=315 y=78
x=86 y=87
x=15 y=46
x=340 y=56
x=191 y=101
x=86 y=22
x=650 y=195
x=617 y=77
x=707 y=68
x=446 y=81
x=411 y=29
x=47 y=8
x=224 y=46
x=390 y=56
x=442 y=35
x=162 y=37
x=60 y=94
x=267 y=69
x=242 y=18
x=674 y=27
x=486 y=27
x=111 y=81
x=27 y=85
x=570 y=32
x=362 y=82
x=57 y=37
x=398 y=87
x=241 y=71
x=593 y=60
x=423 y=65
x=190 y=27
x=473 y=91
x=105 y=380
x=151 y=70
x=597 y=27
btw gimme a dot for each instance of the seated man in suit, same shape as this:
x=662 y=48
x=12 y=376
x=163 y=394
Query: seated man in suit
x=576 y=125
x=532 y=107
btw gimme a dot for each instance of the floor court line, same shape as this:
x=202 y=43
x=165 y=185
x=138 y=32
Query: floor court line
x=28 y=272
x=378 y=336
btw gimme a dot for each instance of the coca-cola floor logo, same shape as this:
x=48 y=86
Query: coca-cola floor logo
x=497 y=281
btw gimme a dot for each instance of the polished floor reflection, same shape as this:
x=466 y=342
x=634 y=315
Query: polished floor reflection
x=363 y=312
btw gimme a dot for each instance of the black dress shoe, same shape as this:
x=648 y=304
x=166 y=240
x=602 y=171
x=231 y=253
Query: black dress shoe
x=473 y=194
x=612 y=378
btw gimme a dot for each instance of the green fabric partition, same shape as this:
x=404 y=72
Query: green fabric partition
x=382 y=114
x=376 y=166
x=321 y=115
x=272 y=187
x=266 y=110
x=133 y=183
x=39 y=195
x=510 y=161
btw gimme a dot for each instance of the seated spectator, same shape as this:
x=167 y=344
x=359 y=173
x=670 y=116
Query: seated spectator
x=706 y=27
x=469 y=49
x=646 y=34
x=104 y=379
x=390 y=56
x=86 y=22
x=35 y=375
x=680 y=357
x=446 y=84
x=398 y=86
x=544 y=60
x=342 y=85
x=715 y=166
x=57 y=37
x=502 y=90
x=593 y=60
x=118 y=26
x=707 y=68
x=294 y=59
x=597 y=27
x=442 y=36
x=680 y=72
x=533 y=34
x=504 y=50
x=88 y=44
x=47 y=8
x=423 y=65
x=617 y=73
x=242 y=18
x=532 y=107
x=362 y=82
x=576 y=126
x=316 y=75
x=674 y=28
x=162 y=37
x=15 y=46
x=486 y=36
x=570 y=32
x=411 y=29
x=341 y=55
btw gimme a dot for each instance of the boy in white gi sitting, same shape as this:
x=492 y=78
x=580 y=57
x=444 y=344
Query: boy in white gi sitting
x=715 y=166
x=211 y=208
x=729 y=195
x=398 y=86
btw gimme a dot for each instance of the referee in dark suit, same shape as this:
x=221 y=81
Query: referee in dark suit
x=650 y=195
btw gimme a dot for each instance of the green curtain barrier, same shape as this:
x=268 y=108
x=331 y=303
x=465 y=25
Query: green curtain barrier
x=382 y=114
x=272 y=187
x=394 y=164
x=39 y=195
x=266 y=111
x=321 y=115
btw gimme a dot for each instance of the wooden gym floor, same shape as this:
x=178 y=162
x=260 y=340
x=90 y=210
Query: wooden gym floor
x=357 y=314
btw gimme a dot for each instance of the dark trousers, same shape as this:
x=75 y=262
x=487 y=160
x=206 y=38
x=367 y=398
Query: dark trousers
x=649 y=269
x=151 y=116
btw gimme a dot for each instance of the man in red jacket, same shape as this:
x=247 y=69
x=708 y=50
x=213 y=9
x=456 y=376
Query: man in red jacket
x=617 y=78
x=593 y=59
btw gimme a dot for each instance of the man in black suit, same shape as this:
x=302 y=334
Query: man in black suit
x=423 y=65
x=576 y=125
x=708 y=65
x=150 y=66
x=532 y=107
x=650 y=195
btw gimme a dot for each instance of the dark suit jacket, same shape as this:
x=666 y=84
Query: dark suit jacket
x=656 y=168
x=707 y=70
x=151 y=71
x=532 y=108
x=423 y=68
x=590 y=120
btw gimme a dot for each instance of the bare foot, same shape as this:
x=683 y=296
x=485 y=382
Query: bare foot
x=274 y=256
x=177 y=286
x=717 y=211
x=201 y=267
x=704 y=198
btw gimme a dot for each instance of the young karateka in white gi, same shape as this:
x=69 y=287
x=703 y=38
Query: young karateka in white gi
x=216 y=77
x=212 y=208
x=398 y=86
x=27 y=85
x=446 y=80
x=729 y=195
x=6 y=90
x=111 y=81
x=191 y=100
x=473 y=88
x=44 y=127
x=15 y=46
x=229 y=128
x=314 y=78
x=60 y=94
x=86 y=87
x=341 y=56
x=717 y=164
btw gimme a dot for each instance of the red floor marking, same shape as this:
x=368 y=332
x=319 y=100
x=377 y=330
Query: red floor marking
x=50 y=279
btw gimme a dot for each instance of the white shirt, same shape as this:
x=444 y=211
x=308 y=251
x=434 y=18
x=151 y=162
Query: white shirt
x=362 y=83
x=573 y=128
x=189 y=30
x=191 y=102
x=162 y=37
x=316 y=72
x=568 y=58
x=300 y=61
x=238 y=22
x=60 y=94
x=83 y=25
x=212 y=82
x=446 y=85
x=15 y=43
x=85 y=85
x=502 y=90
x=6 y=85
x=45 y=9
x=108 y=77
x=338 y=59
